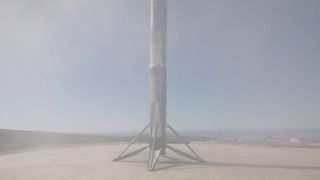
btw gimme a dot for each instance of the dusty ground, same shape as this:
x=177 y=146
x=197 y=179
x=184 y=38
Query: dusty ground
x=223 y=162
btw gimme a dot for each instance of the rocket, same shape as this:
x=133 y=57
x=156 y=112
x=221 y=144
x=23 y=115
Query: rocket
x=158 y=93
x=158 y=74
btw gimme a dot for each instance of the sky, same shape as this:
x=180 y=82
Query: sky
x=82 y=66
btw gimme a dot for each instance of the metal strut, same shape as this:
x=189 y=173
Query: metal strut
x=122 y=156
x=184 y=142
x=154 y=154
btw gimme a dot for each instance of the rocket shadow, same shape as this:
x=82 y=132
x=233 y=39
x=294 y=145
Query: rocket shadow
x=173 y=163
x=193 y=162
x=210 y=164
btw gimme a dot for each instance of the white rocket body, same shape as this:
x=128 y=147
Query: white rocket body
x=158 y=73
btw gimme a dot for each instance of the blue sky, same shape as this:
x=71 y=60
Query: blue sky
x=82 y=66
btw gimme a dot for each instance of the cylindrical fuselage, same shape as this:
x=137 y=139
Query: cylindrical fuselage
x=158 y=72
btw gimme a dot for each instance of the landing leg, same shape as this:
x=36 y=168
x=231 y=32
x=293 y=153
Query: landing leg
x=157 y=148
x=154 y=153
x=122 y=156
x=197 y=157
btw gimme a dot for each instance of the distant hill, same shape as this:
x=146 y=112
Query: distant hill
x=18 y=139
x=11 y=140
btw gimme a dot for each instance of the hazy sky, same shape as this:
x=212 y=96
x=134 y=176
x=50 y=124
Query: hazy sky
x=82 y=65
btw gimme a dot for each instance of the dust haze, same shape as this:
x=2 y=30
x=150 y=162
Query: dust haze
x=242 y=89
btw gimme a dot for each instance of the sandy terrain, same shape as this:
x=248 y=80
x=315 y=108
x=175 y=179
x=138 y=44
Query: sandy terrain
x=223 y=162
